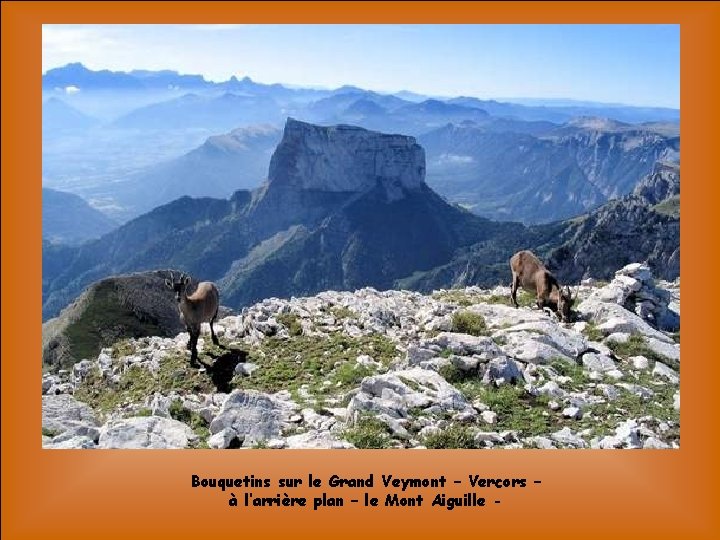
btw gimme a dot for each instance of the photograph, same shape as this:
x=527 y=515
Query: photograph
x=360 y=236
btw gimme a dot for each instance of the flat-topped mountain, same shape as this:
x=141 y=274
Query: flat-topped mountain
x=345 y=159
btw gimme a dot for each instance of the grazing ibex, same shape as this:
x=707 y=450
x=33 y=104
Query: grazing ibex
x=195 y=309
x=530 y=274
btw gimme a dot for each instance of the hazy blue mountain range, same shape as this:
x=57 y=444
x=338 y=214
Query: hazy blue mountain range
x=68 y=219
x=219 y=167
x=128 y=126
x=195 y=111
x=542 y=177
x=59 y=117
x=559 y=111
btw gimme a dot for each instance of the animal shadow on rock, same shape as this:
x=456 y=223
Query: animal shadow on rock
x=222 y=369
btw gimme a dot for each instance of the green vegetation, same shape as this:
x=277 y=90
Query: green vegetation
x=500 y=340
x=570 y=369
x=350 y=374
x=144 y=411
x=136 y=383
x=412 y=384
x=592 y=332
x=47 y=432
x=104 y=320
x=454 y=436
x=637 y=346
x=468 y=322
x=196 y=422
x=669 y=207
x=305 y=360
x=124 y=347
x=292 y=322
x=459 y=297
x=602 y=418
x=524 y=299
x=516 y=409
x=342 y=312
x=452 y=374
x=368 y=432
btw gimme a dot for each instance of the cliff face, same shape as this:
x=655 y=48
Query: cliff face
x=345 y=159
x=543 y=177
x=662 y=184
x=636 y=227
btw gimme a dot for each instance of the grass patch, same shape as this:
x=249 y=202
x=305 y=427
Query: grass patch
x=196 y=422
x=454 y=436
x=452 y=374
x=124 y=347
x=572 y=370
x=412 y=384
x=500 y=340
x=304 y=360
x=468 y=322
x=342 y=312
x=637 y=346
x=523 y=297
x=104 y=321
x=136 y=383
x=669 y=207
x=292 y=322
x=459 y=297
x=592 y=332
x=47 y=432
x=143 y=412
x=516 y=409
x=350 y=374
x=368 y=432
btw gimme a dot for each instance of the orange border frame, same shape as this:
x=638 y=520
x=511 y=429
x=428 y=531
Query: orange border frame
x=121 y=494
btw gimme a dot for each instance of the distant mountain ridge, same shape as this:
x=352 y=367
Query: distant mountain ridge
x=542 y=177
x=68 y=219
x=559 y=111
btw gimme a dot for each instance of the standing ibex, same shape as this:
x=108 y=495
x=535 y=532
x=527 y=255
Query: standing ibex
x=529 y=273
x=195 y=309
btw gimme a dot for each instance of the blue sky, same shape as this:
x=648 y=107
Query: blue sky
x=632 y=64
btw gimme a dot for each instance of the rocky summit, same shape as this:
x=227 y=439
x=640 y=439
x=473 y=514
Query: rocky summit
x=456 y=368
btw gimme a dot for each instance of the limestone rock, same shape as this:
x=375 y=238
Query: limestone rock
x=145 y=432
x=248 y=416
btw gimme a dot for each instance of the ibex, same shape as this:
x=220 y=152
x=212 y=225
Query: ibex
x=195 y=309
x=529 y=273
